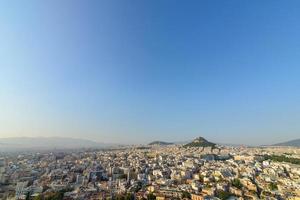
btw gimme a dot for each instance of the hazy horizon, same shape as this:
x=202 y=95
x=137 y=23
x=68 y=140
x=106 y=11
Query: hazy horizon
x=187 y=140
x=138 y=71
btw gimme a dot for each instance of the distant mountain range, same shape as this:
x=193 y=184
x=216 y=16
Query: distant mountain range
x=48 y=143
x=200 y=142
x=293 y=143
x=45 y=143
x=160 y=143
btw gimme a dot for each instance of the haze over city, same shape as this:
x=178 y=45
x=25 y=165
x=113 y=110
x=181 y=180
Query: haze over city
x=132 y=72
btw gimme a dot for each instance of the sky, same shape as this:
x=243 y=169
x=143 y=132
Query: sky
x=136 y=71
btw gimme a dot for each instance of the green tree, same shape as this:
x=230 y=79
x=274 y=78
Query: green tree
x=27 y=196
x=129 y=196
x=223 y=194
x=186 y=195
x=201 y=178
x=120 y=197
x=237 y=183
x=282 y=158
x=151 y=196
x=123 y=176
x=273 y=186
x=39 y=197
x=56 y=196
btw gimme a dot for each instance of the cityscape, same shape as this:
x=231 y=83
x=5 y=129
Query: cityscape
x=150 y=100
x=160 y=170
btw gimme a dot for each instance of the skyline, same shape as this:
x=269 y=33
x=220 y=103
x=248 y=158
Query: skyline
x=138 y=71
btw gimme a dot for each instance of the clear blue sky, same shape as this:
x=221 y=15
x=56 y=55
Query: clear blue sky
x=135 y=71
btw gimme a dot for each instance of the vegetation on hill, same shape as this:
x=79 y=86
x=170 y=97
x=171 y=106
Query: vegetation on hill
x=200 y=142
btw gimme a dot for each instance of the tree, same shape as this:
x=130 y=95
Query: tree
x=186 y=194
x=123 y=176
x=129 y=196
x=138 y=187
x=273 y=186
x=39 y=197
x=120 y=197
x=151 y=196
x=27 y=196
x=56 y=196
x=201 y=178
x=223 y=194
x=282 y=158
x=237 y=183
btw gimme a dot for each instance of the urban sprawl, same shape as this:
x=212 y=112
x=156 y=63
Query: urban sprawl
x=153 y=172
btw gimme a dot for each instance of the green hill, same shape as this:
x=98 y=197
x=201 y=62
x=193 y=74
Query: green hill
x=200 y=142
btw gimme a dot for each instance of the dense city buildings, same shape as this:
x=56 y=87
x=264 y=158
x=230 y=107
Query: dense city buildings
x=153 y=172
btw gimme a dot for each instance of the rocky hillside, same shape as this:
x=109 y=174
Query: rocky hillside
x=200 y=142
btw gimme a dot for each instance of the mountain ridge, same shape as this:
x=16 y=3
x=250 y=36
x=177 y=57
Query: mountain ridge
x=292 y=143
x=24 y=143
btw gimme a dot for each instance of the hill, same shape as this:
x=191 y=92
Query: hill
x=45 y=143
x=160 y=143
x=292 y=143
x=200 y=142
